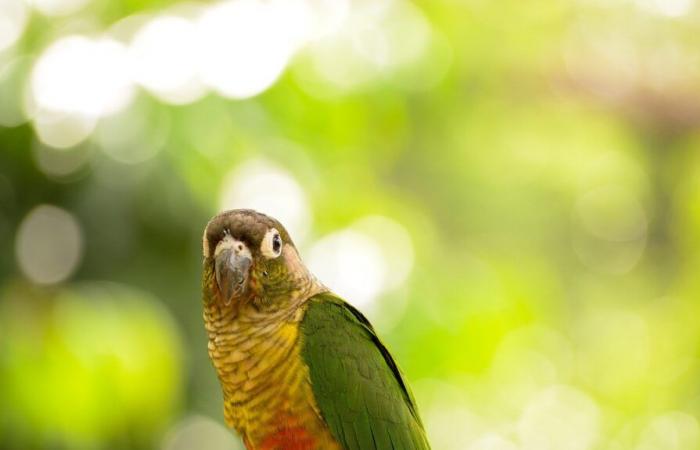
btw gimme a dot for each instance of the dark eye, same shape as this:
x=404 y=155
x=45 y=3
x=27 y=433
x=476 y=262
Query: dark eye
x=276 y=243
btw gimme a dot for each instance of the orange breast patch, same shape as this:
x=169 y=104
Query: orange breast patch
x=292 y=438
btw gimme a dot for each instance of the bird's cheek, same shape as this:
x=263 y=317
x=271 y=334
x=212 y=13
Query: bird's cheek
x=255 y=283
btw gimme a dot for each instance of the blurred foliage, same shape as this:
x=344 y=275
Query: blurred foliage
x=544 y=159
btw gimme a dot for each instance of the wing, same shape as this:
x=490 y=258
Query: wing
x=357 y=385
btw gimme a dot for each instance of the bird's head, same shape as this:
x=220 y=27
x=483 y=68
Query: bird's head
x=250 y=257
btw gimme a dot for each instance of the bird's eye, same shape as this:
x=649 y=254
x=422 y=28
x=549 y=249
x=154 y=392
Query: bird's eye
x=271 y=245
x=276 y=243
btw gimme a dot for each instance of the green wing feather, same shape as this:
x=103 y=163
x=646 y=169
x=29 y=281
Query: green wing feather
x=357 y=385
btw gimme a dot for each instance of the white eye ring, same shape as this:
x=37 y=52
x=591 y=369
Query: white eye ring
x=271 y=246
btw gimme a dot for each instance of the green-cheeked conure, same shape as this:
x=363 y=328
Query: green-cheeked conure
x=300 y=368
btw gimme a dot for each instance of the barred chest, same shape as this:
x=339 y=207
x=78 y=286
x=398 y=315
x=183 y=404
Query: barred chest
x=264 y=381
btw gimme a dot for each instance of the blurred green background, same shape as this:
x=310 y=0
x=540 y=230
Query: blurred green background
x=510 y=190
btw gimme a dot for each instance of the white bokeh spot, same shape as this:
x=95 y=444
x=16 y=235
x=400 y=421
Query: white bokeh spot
x=61 y=129
x=492 y=441
x=269 y=189
x=363 y=261
x=84 y=76
x=13 y=19
x=671 y=431
x=351 y=264
x=668 y=8
x=559 y=418
x=49 y=244
x=57 y=7
x=200 y=432
x=244 y=45
x=163 y=55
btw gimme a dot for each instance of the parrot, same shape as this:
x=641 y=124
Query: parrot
x=299 y=367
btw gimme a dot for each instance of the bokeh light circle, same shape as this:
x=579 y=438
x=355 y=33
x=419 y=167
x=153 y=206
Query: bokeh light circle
x=668 y=8
x=13 y=19
x=49 y=244
x=58 y=7
x=267 y=188
x=372 y=256
x=559 y=418
x=244 y=45
x=61 y=163
x=492 y=441
x=612 y=229
x=62 y=129
x=351 y=264
x=106 y=355
x=674 y=430
x=612 y=213
x=395 y=243
x=163 y=55
x=200 y=432
x=80 y=75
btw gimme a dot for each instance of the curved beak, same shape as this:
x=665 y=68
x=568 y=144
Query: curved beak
x=232 y=269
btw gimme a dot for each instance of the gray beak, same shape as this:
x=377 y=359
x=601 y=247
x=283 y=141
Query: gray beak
x=232 y=269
